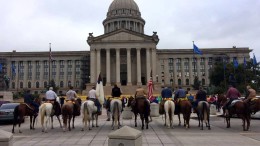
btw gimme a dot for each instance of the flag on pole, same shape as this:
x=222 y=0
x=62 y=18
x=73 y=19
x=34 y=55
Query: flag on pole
x=1 y=67
x=50 y=54
x=245 y=62
x=235 y=63
x=13 y=69
x=100 y=90
x=196 y=50
x=254 y=61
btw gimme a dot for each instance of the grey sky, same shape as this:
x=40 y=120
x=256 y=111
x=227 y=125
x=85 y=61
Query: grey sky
x=30 y=25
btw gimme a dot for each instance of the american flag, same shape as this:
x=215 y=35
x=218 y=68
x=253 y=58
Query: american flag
x=50 y=53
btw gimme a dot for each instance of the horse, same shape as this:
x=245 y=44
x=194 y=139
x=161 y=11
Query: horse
x=89 y=112
x=116 y=108
x=184 y=108
x=203 y=112
x=254 y=105
x=46 y=109
x=169 y=108
x=141 y=107
x=23 y=110
x=221 y=99
x=69 y=111
x=241 y=109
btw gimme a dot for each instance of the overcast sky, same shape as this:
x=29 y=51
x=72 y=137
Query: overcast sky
x=30 y=25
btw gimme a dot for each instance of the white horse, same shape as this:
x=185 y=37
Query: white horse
x=116 y=108
x=169 y=108
x=89 y=112
x=203 y=112
x=46 y=110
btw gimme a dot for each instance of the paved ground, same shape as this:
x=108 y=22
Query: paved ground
x=156 y=135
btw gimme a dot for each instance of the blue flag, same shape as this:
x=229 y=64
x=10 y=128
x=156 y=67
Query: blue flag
x=235 y=63
x=1 y=67
x=13 y=69
x=245 y=62
x=196 y=50
x=254 y=60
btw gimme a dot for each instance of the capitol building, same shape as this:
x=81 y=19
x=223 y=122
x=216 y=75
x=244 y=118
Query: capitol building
x=123 y=55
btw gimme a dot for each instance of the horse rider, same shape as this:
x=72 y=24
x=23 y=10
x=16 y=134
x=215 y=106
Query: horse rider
x=166 y=94
x=92 y=96
x=251 y=93
x=116 y=93
x=180 y=94
x=71 y=94
x=232 y=94
x=139 y=93
x=28 y=99
x=201 y=95
x=51 y=95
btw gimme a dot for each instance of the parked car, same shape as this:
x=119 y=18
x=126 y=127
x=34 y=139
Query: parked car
x=2 y=102
x=6 y=111
x=257 y=114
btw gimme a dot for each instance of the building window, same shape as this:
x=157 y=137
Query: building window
x=77 y=83
x=187 y=81
x=21 y=84
x=179 y=82
x=69 y=83
x=170 y=60
x=13 y=85
x=45 y=84
x=203 y=81
x=37 y=84
x=61 y=84
x=29 y=85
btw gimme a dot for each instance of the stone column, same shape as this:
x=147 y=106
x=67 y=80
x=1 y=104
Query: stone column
x=198 y=68
x=41 y=73
x=117 y=66
x=129 y=64
x=92 y=65
x=154 y=63
x=190 y=71
x=73 y=80
x=207 y=70
x=182 y=72
x=65 y=74
x=33 y=74
x=108 y=67
x=25 y=79
x=148 y=64
x=58 y=72
x=175 y=73
x=138 y=56
x=98 y=61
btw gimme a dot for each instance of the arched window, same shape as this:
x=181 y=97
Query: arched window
x=61 y=84
x=37 y=84
x=29 y=85
x=21 y=84
x=179 y=82
x=203 y=81
x=45 y=84
x=187 y=81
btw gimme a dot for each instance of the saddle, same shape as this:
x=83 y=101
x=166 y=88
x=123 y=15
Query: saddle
x=29 y=106
x=233 y=103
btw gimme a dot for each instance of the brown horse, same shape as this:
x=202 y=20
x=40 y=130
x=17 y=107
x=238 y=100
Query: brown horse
x=254 y=105
x=140 y=106
x=69 y=111
x=241 y=109
x=184 y=108
x=220 y=101
x=57 y=113
x=23 y=110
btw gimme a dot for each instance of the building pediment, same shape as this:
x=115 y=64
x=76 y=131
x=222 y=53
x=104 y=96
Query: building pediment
x=122 y=35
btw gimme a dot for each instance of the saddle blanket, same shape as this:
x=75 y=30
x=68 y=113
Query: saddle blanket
x=234 y=102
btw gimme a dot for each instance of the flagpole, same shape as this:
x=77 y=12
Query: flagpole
x=50 y=66
x=193 y=60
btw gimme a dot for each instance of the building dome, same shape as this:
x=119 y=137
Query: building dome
x=123 y=4
x=123 y=14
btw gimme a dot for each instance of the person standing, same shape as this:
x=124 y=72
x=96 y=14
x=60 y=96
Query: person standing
x=71 y=94
x=92 y=96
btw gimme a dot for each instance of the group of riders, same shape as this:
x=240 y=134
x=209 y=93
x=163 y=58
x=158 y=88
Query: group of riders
x=166 y=94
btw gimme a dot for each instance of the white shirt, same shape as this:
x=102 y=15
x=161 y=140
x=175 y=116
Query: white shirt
x=50 y=95
x=71 y=94
x=92 y=94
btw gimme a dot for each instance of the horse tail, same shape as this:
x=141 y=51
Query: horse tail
x=170 y=110
x=42 y=113
x=116 y=111
x=146 y=108
x=204 y=113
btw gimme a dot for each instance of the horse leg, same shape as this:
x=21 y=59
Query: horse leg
x=70 y=117
x=20 y=121
x=52 y=122
x=142 y=119
x=73 y=119
x=243 y=120
x=135 y=120
x=146 y=121
x=58 y=117
x=179 y=119
x=198 y=117
x=34 y=118
x=165 y=123
x=97 y=120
